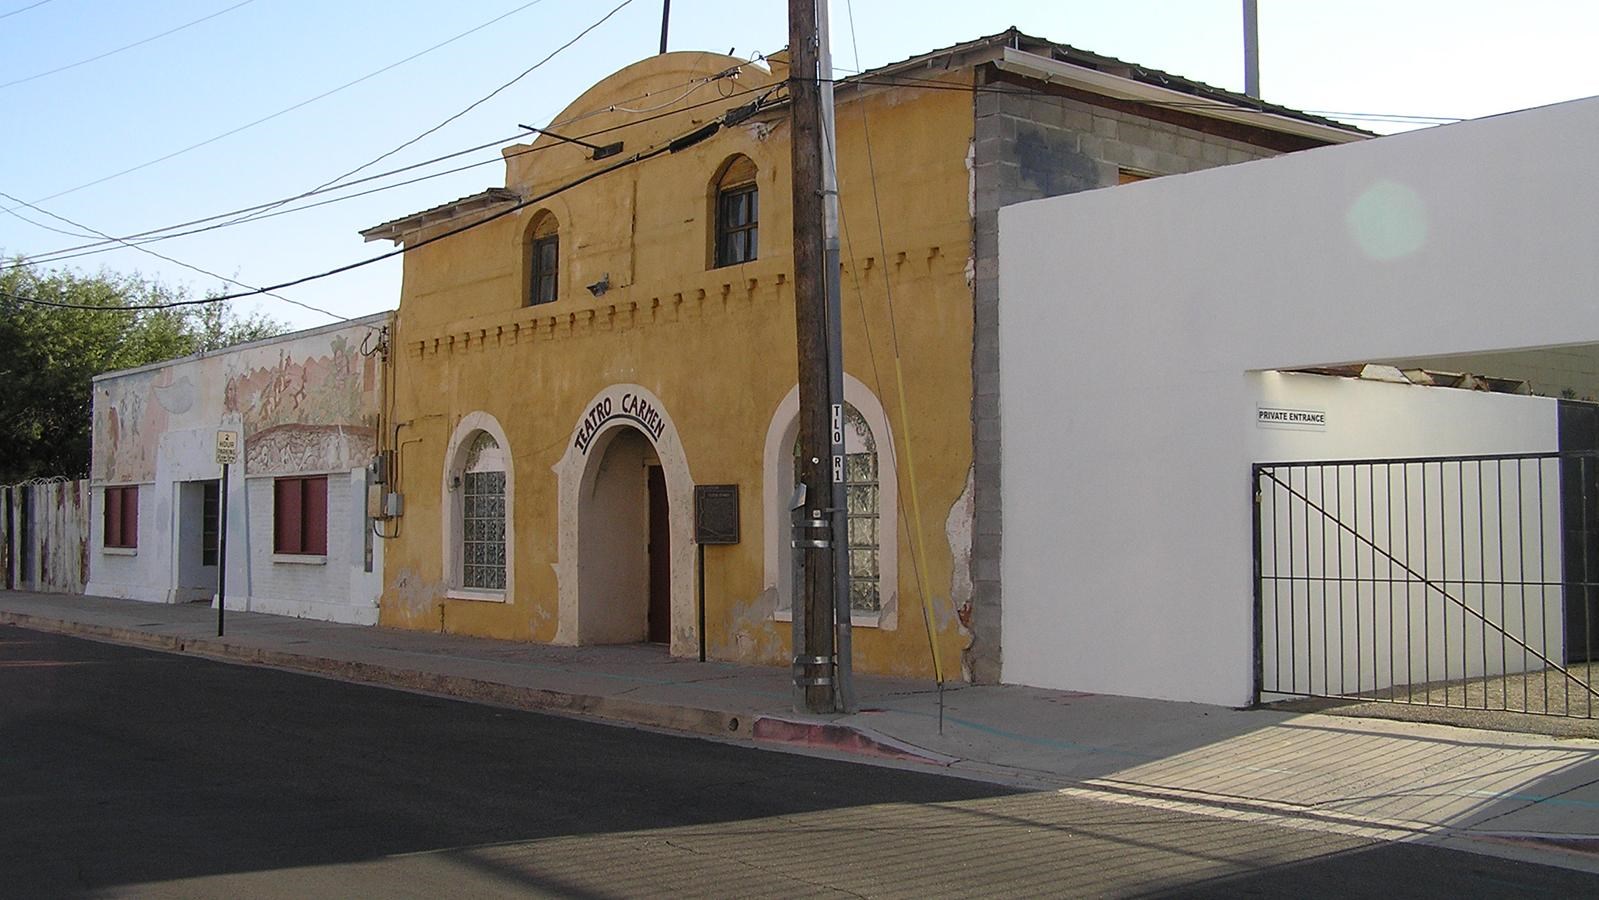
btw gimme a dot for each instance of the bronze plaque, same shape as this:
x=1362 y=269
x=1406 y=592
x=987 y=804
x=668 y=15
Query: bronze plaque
x=716 y=513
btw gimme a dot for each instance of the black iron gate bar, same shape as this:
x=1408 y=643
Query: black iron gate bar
x=1440 y=586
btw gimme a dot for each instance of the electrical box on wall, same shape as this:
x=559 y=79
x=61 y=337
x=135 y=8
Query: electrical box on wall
x=393 y=505
x=374 y=501
x=380 y=466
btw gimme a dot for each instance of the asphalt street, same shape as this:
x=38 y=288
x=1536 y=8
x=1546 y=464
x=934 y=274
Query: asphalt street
x=127 y=772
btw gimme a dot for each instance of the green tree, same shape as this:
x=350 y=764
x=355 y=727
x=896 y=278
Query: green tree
x=48 y=355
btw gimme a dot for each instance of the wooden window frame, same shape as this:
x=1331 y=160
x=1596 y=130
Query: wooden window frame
x=541 y=276
x=300 y=515
x=210 y=521
x=120 y=523
x=729 y=251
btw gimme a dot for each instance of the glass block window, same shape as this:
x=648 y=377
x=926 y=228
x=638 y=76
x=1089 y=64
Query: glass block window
x=863 y=505
x=482 y=490
x=864 y=512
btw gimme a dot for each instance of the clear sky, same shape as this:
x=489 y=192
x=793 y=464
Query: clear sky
x=68 y=132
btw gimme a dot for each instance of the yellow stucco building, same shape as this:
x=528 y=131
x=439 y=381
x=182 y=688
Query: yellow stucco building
x=575 y=352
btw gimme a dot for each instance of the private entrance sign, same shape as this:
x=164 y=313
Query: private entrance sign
x=1293 y=419
x=227 y=447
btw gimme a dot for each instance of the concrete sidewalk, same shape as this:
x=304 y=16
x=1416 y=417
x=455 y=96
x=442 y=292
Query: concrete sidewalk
x=1509 y=794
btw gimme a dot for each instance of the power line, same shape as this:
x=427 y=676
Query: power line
x=23 y=9
x=481 y=100
x=149 y=306
x=286 y=110
x=159 y=234
x=1198 y=103
x=463 y=112
x=1388 y=117
x=176 y=262
x=12 y=212
x=84 y=62
x=680 y=143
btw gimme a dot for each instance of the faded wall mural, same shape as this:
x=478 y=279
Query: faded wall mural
x=305 y=403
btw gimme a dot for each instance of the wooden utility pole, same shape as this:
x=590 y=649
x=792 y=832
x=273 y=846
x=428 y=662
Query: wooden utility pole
x=813 y=534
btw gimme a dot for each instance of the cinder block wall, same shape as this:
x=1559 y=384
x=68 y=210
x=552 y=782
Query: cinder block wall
x=1028 y=146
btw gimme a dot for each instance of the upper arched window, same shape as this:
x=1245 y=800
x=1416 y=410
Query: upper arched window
x=544 y=258
x=737 y=213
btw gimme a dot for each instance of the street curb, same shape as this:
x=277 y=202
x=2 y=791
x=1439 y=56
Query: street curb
x=1586 y=845
x=850 y=739
x=692 y=720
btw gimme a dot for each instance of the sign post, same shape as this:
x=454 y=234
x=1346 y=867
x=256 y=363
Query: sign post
x=227 y=454
x=715 y=522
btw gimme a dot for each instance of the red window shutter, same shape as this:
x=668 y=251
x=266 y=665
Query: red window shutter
x=286 y=516
x=113 y=517
x=130 y=516
x=314 y=516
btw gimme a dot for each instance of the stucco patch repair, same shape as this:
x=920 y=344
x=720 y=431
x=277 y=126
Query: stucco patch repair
x=958 y=531
x=754 y=635
x=971 y=210
x=412 y=595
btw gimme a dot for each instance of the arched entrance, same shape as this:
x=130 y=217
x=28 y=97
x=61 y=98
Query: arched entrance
x=624 y=543
x=626 y=498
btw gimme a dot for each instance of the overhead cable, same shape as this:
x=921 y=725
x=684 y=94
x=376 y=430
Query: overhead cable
x=84 y=62
x=173 y=231
x=642 y=155
x=288 y=109
x=177 y=262
x=23 y=9
x=478 y=102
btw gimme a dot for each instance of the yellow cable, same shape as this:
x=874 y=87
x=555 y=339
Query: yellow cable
x=916 y=522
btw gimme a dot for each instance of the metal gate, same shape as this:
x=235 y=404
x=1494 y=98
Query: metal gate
x=1461 y=581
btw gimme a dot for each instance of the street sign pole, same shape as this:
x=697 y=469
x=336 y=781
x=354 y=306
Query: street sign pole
x=227 y=453
x=222 y=548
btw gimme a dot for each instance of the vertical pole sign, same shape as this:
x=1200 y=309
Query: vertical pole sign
x=715 y=522
x=227 y=454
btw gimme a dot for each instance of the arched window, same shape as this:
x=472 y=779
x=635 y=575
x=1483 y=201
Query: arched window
x=870 y=495
x=544 y=259
x=478 y=494
x=863 y=511
x=737 y=208
x=483 y=516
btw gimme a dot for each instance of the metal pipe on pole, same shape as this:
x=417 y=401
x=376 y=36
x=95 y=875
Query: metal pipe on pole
x=815 y=541
x=1252 y=48
x=222 y=549
x=845 y=688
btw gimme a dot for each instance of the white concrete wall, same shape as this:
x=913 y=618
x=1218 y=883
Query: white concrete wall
x=326 y=587
x=303 y=404
x=138 y=573
x=1348 y=550
x=1130 y=316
